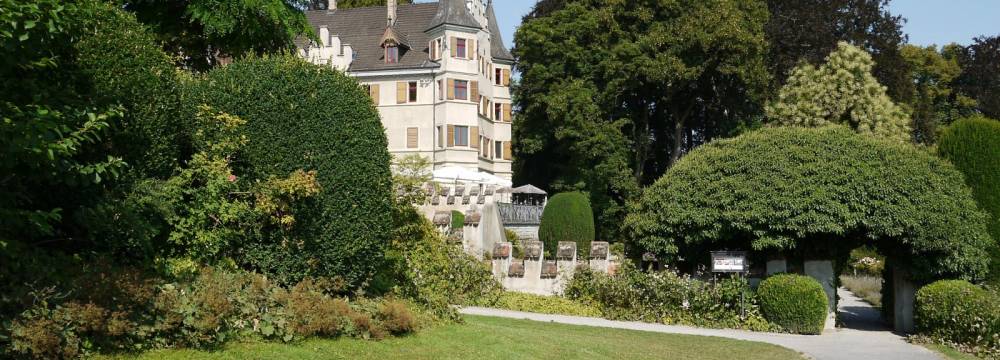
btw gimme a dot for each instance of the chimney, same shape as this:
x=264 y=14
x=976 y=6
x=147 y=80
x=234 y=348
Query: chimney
x=331 y=5
x=390 y=8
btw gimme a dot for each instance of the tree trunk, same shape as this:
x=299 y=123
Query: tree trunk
x=675 y=151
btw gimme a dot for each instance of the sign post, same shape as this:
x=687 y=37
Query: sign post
x=733 y=262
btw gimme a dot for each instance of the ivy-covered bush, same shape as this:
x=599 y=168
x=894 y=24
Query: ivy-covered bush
x=567 y=217
x=956 y=312
x=797 y=303
x=668 y=297
x=823 y=190
x=973 y=145
x=302 y=116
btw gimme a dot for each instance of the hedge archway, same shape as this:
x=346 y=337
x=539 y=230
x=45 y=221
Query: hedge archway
x=826 y=189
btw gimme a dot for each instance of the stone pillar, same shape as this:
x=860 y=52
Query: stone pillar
x=501 y=260
x=904 y=295
x=599 y=256
x=822 y=271
x=777 y=266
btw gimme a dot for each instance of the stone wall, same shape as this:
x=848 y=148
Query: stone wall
x=537 y=275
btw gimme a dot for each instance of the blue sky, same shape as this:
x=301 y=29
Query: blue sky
x=928 y=21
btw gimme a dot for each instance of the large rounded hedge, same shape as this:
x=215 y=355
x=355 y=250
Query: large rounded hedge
x=304 y=116
x=567 y=217
x=958 y=312
x=827 y=190
x=125 y=65
x=973 y=145
x=796 y=303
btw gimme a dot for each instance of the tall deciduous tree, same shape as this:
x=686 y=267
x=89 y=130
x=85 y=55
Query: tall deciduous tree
x=841 y=91
x=808 y=30
x=980 y=77
x=648 y=81
x=934 y=102
x=201 y=32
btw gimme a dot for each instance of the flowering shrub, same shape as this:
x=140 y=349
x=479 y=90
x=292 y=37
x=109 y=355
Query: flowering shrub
x=669 y=297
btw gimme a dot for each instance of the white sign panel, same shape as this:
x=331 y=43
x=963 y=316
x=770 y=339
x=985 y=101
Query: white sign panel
x=729 y=261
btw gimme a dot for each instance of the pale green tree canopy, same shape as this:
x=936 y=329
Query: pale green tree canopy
x=840 y=91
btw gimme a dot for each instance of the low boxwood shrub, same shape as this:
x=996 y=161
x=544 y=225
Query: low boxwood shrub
x=668 y=297
x=797 y=303
x=956 y=312
x=567 y=217
x=457 y=220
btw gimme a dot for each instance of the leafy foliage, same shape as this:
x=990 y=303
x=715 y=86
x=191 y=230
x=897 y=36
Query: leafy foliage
x=668 y=297
x=960 y=313
x=935 y=102
x=808 y=30
x=567 y=217
x=795 y=302
x=823 y=190
x=313 y=118
x=980 y=77
x=600 y=80
x=200 y=32
x=841 y=91
x=53 y=163
x=410 y=176
x=125 y=65
x=517 y=301
x=207 y=211
x=216 y=306
x=973 y=145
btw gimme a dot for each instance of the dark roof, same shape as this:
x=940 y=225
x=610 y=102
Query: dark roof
x=497 y=49
x=362 y=28
x=453 y=12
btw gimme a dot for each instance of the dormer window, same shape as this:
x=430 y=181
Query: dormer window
x=391 y=54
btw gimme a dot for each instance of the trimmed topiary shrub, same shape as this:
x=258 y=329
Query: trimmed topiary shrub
x=125 y=65
x=567 y=217
x=797 y=303
x=821 y=190
x=973 y=145
x=457 y=220
x=958 y=312
x=309 y=117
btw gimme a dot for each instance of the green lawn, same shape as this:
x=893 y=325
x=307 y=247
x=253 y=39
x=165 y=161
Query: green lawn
x=497 y=338
x=950 y=353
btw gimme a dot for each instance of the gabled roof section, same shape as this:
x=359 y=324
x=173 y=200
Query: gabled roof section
x=497 y=48
x=364 y=29
x=395 y=37
x=453 y=12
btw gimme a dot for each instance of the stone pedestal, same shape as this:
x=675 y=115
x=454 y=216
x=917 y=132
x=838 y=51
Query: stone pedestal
x=777 y=266
x=822 y=271
x=904 y=296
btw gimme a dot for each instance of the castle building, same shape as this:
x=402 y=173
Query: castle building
x=438 y=72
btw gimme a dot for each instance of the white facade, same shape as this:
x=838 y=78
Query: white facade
x=454 y=106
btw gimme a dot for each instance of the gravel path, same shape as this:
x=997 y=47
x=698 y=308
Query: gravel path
x=862 y=337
